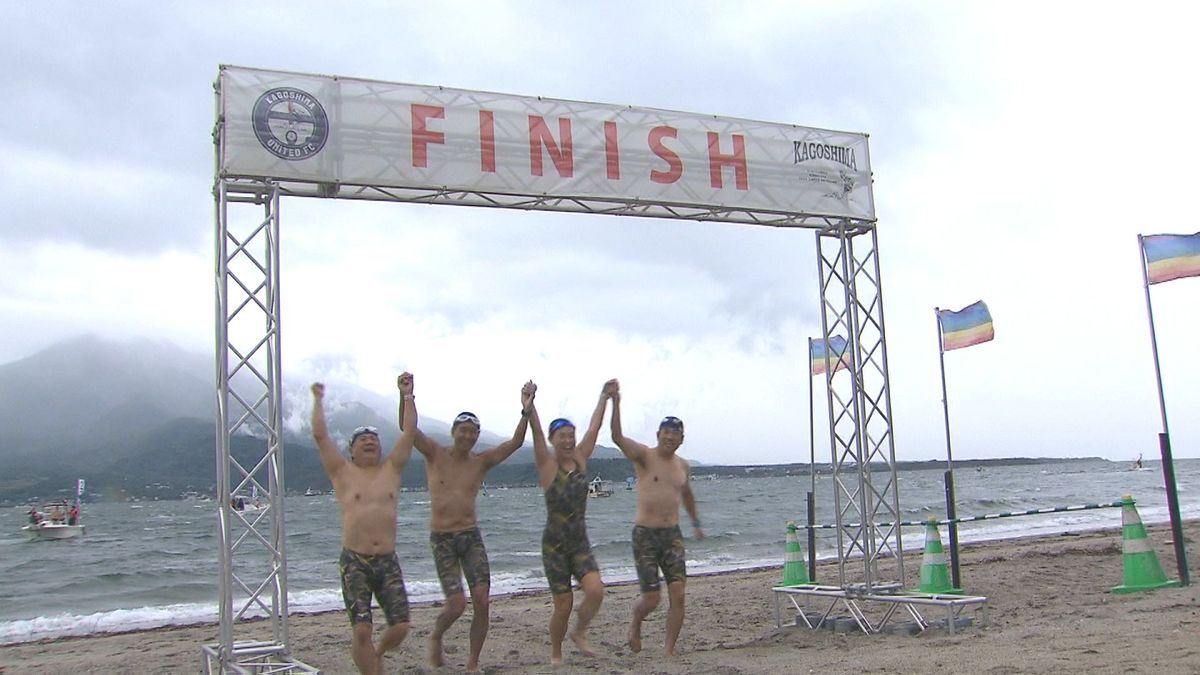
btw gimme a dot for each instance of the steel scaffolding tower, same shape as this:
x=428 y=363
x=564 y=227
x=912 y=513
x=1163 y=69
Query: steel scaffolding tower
x=866 y=500
x=252 y=556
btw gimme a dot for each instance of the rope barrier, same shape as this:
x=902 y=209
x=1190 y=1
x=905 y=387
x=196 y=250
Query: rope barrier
x=990 y=516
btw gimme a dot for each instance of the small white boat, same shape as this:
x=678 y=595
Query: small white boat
x=600 y=487
x=46 y=531
x=240 y=502
x=56 y=520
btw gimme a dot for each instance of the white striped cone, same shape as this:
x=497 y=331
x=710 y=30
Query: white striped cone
x=794 y=573
x=1142 y=570
x=935 y=579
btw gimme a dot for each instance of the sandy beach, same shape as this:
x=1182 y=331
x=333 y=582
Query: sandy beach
x=1049 y=611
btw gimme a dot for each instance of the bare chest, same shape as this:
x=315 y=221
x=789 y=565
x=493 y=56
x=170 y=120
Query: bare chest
x=357 y=486
x=662 y=474
x=455 y=475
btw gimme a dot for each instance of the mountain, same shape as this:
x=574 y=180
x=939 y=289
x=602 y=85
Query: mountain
x=130 y=416
x=86 y=393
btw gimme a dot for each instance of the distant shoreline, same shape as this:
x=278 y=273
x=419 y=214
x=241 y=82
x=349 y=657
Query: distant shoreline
x=618 y=471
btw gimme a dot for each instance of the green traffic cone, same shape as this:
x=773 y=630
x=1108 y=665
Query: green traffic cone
x=935 y=578
x=1142 y=571
x=794 y=572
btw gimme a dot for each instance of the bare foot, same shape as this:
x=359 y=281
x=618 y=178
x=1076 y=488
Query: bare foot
x=584 y=647
x=556 y=660
x=435 y=652
x=635 y=641
x=473 y=668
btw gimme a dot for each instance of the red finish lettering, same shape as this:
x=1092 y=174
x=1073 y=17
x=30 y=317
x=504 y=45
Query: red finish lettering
x=487 y=141
x=539 y=136
x=421 y=136
x=612 y=160
x=655 y=140
x=737 y=160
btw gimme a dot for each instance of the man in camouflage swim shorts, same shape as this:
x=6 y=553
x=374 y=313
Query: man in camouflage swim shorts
x=455 y=474
x=367 y=486
x=664 y=482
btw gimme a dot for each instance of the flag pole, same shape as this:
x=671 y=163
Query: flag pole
x=812 y=433
x=951 y=511
x=1164 y=439
x=812 y=471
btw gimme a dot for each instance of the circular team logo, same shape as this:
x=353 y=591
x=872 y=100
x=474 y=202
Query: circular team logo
x=290 y=123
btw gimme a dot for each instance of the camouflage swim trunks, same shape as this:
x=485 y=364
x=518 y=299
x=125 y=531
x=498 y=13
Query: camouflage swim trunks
x=456 y=554
x=655 y=547
x=563 y=558
x=378 y=575
x=565 y=547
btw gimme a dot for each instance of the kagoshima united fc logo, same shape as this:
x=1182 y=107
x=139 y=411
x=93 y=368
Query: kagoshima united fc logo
x=290 y=123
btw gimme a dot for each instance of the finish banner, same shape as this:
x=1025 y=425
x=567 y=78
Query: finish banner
x=336 y=136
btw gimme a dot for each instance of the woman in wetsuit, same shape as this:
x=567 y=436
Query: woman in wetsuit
x=566 y=551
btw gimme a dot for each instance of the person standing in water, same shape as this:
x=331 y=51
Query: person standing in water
x=566 y=551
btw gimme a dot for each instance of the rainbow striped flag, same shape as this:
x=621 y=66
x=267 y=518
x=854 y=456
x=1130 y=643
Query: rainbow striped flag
x=1171 y=256
x=838 y=356
x=968 y=326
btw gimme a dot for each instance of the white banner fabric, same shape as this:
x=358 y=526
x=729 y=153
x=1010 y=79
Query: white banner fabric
x=352 y=132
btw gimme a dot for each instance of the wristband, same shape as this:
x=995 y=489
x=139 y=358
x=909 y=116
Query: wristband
x=525 y=413
x=696 y=523
x=408 y=397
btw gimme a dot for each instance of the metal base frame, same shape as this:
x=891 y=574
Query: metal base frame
x=252 y=658
x=855 y=604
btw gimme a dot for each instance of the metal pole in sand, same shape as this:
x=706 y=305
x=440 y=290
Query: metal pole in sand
x=1164 y=439
x=951 y=512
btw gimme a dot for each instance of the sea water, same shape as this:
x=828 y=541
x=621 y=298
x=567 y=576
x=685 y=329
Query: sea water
x=149 y=564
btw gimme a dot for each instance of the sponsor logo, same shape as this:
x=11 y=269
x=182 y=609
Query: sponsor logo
x=839 y=183
x=290 y=123
x=835 y=153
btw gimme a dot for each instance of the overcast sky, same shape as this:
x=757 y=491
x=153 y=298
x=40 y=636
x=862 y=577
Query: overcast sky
x=1017 y=150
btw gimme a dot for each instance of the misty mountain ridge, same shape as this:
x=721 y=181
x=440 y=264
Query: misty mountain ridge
x=145 y=409
x=90 y=392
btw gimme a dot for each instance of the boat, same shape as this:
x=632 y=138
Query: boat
x=239 y=502
x=47 y=530
x=311 y=493
x=600 y=487
x=56 y=520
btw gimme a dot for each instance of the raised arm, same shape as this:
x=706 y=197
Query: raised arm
x=636 y=452
x=689 y=501
x=505 y=450
x=327 y=450
x=587 y=444
x=424 y=444
x=542 y=458
x=408 y=408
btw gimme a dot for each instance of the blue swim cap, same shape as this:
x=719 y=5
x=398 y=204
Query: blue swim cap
x=558 y=424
